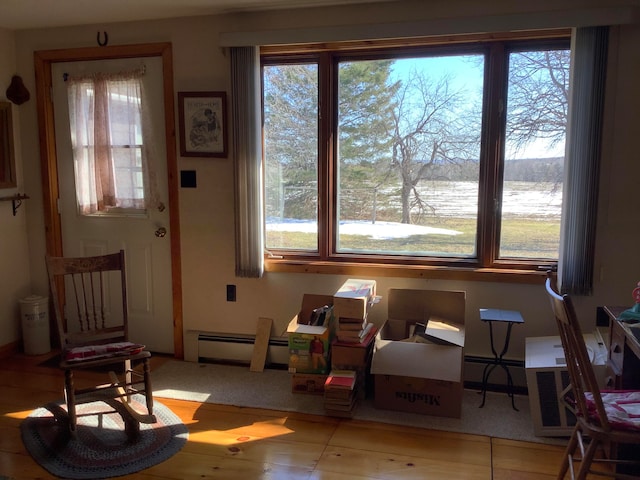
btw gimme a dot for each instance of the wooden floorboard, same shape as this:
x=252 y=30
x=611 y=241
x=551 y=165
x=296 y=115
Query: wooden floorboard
x=230 y=443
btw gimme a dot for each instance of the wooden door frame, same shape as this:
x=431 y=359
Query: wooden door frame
x=49 y=162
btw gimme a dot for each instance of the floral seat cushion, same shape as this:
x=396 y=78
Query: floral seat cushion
x=622 y=408
x=94 y=352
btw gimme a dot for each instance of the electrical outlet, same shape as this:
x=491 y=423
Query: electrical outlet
x=231 y=293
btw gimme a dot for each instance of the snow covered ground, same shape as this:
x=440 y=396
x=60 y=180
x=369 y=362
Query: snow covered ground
x=377 y=230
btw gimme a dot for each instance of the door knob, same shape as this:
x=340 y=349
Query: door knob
x=161 y=232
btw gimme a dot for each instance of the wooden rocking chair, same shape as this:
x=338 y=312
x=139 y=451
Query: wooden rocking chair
x=93 y=333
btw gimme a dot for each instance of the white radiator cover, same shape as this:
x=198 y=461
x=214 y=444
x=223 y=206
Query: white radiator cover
x=234 y=348
x=547 y=377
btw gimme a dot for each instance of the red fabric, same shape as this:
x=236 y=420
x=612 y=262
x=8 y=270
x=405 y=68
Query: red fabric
x=92 y=352
x=622 y=408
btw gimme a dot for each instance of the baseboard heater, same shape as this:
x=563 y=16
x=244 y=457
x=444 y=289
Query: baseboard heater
x=238 y=349
x=231 y=348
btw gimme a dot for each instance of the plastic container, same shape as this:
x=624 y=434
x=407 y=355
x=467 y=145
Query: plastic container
x=34 y=315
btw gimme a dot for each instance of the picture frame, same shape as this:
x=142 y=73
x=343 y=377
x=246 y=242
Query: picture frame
x=203 y=124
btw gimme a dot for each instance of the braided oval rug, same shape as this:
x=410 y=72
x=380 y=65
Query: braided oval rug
x=100 y=448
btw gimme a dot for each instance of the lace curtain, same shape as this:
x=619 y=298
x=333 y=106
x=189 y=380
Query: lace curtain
x=112 y=142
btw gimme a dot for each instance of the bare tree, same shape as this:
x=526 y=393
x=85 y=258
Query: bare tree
x=433 y=126
x=538 y=98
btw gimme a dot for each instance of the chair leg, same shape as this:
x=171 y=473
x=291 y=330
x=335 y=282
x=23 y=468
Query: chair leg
x=147 y=385
x=568 y=453
x=70 y=398
x=587 y=459
x=128 y=379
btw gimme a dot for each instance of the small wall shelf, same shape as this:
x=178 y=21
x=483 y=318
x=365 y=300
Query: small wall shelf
x=16 y=201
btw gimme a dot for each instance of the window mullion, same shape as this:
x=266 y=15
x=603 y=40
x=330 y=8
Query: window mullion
x=326 y=186
x=491 y=164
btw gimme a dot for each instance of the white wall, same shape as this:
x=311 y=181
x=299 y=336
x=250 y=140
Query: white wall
x=14 y=250
x=207 y=211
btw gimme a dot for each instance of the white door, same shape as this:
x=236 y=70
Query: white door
x=143 y=235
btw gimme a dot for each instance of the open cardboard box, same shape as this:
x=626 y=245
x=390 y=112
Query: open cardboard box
x=420 y=377
x=301 y=337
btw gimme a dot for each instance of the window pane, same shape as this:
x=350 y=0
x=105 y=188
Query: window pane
x=128 y=173
x=113 y=108
x=409 y=143
x=291 y=156
x=125 y=126
x=537 y=105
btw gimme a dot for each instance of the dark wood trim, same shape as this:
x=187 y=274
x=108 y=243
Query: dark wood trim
x=9 y=349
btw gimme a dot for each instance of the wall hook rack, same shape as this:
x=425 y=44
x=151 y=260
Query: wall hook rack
x=16 y=201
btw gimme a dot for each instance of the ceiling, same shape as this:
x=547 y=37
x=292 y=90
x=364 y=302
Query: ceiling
x=30 y=14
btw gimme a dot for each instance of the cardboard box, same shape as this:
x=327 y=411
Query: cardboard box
x=308 y=383
x=547 y=376
x=347 y=355
x=356 y=356
x=422 y=377
x=309 y=345
x=353 y=297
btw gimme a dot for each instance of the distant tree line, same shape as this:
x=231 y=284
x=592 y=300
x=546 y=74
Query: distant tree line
x=535 y=170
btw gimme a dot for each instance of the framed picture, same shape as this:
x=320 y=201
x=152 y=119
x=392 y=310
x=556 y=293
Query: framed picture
x=203 y=124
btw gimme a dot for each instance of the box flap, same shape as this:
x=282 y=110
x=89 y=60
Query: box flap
x=420 y=305
x=295 y=327
x=310 y=302
x=441 y=332
x=417 y=360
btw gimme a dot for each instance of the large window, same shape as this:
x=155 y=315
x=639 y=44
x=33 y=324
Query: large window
x=448 y=155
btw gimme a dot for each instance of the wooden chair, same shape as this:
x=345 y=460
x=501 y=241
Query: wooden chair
x=93 y=334
x=603 y=418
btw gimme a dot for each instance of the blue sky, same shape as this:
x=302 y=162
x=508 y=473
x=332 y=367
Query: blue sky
x=466 y=74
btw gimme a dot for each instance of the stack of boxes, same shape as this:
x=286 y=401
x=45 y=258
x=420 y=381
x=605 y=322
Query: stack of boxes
x=352 y=351
x=412 y=363
x=310 y=334
x=313 y=350
x=340 y=393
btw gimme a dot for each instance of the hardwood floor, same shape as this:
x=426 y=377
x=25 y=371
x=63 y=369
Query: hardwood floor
x=242 y=443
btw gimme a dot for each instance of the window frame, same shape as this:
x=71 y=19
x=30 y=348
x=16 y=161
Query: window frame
x=486 y=265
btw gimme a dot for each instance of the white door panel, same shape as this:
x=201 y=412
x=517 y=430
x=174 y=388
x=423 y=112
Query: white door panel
x=148 y=257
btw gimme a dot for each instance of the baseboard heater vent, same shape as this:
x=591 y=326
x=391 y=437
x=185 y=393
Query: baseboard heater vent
x=231 y=348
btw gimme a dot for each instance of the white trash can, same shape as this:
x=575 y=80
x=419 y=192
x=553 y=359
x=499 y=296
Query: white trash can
x=34 y=314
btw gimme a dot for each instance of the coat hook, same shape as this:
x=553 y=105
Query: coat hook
x=106 y=39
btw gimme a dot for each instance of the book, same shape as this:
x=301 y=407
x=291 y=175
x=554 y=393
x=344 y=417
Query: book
x=340 y=392
x=363 y=342
x=354 y=336
x=345 y=406
x=357 y=326
x=340 y=379
x=352 y=333
x=338 y=395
